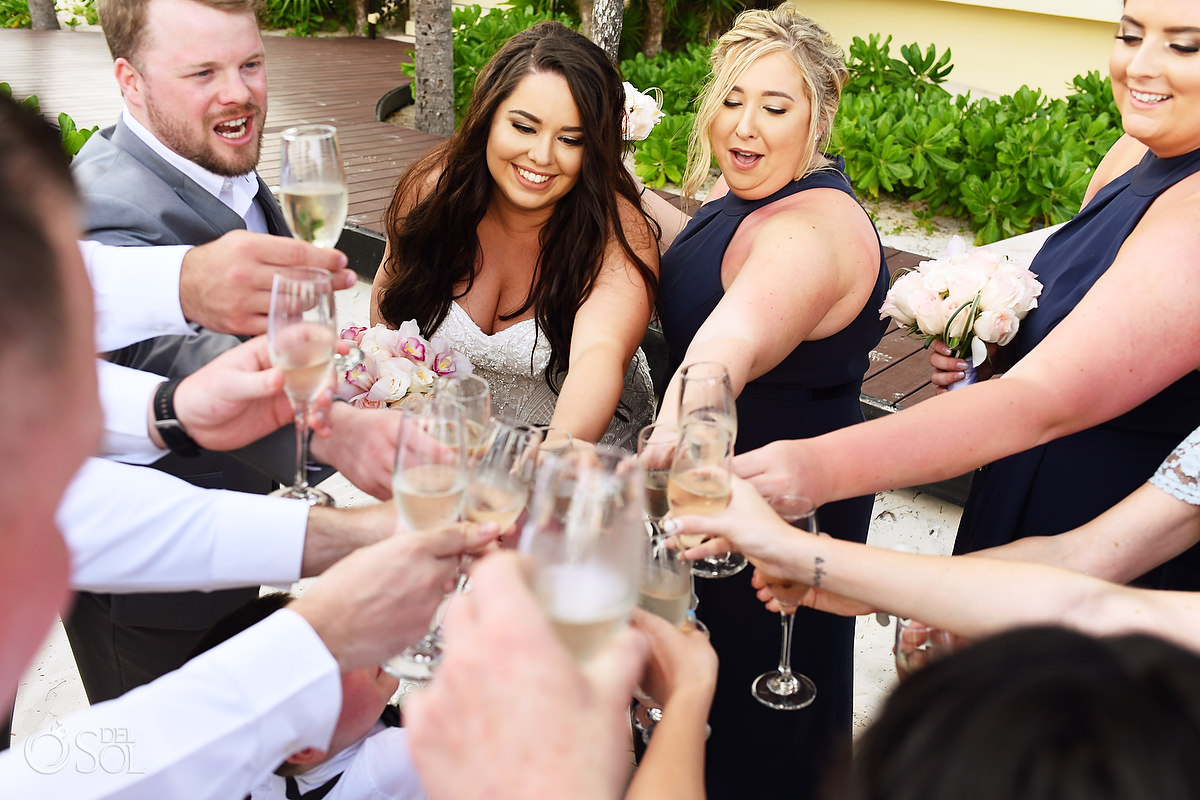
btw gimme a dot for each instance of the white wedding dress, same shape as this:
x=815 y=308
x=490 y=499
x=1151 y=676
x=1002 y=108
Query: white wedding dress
x=513 y=362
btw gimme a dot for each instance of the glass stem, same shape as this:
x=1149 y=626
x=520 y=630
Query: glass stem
x=785 y=653
x=301 y=425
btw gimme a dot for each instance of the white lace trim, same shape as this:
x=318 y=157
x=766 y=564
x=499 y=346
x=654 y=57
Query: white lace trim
x=518 y=380
x=1179 y=475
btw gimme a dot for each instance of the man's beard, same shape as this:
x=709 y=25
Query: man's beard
x=204 y=153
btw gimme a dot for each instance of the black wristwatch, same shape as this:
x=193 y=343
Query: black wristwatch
x=173 y=434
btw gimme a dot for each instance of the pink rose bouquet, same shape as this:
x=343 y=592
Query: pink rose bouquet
x=967 y=298
x=396 y=364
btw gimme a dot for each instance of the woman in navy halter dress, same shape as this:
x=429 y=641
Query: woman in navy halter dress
x=1060 y=485
x=800 y=383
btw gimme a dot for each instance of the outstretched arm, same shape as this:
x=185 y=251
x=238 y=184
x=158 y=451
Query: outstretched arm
x=1105 y=358
x=969 y=595
x=608 y=328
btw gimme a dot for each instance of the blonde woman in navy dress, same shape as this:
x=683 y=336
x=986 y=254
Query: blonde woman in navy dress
x=781 y=281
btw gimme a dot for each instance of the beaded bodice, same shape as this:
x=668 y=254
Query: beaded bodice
x=513 y=362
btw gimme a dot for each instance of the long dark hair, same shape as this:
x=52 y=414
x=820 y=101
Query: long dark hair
x=435 y=245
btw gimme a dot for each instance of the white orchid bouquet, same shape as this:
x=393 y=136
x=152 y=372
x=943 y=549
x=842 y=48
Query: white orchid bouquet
x=396 y=365
x=968 y=299
x=643 y=110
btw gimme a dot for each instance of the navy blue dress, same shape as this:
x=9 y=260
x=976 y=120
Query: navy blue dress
x=754 y=751
x=1061 y=485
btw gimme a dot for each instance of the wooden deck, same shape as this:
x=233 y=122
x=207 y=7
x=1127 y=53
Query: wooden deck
x=340 y=81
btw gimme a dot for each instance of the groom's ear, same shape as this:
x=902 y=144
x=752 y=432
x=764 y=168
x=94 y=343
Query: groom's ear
x=130 y=82
x=307 y=757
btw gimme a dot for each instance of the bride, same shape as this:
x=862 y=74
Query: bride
x=522 y=241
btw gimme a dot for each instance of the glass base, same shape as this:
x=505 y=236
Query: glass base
x=417 y=663
x=314 y=497
x=783 y=692
x=719 y=566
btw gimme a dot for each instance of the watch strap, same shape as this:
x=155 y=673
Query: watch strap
x=173 y=434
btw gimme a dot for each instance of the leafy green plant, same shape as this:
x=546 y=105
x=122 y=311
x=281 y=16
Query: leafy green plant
x=305 y=17
x=72 y=137
x=1007 y=165
x=14 y=14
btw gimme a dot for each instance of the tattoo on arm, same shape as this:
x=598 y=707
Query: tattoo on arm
x=818 y=572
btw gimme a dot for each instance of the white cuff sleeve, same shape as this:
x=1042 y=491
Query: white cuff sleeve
x=133 y=529
x=125 y=396
x=136 y=291
x=214 y=728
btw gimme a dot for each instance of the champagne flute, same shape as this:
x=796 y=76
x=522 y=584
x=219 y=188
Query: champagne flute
x=781 y=688
x=706 y=394
x=312 y=184
x=428 y=486
x=666 y=588
x=586 y=542
x=430 y=479
x=502 y=475
x=302 y=341
x=699 y=484
x=475 y=396
x=918 y=644
x=656 y=447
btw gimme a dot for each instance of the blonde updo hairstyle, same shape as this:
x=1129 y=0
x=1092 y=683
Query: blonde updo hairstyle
x=756 y=34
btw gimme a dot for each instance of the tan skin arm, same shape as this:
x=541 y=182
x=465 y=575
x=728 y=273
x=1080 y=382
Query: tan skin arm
x=969 y=595
x=1106 y=357
x=774 y=301
x=608 y=328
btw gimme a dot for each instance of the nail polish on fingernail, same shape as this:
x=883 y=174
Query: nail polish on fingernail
x=962 y=365
x=671 y=526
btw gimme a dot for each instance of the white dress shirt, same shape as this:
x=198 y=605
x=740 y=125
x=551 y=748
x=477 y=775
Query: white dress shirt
x=136 y=292
x=132 y=529
x=378 y=766
x=125 y=395
x=211 y=730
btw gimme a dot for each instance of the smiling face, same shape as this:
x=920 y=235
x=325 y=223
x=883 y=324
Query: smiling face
x=759 y=134
x=200 y=84
x=1155 y=67
x=535 y=144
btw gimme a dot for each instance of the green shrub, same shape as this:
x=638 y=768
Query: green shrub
x=14 y=14
x=306 y=17
x=72 y=138
x=1007 y=166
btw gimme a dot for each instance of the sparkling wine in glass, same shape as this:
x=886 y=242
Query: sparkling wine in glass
x=502 y=475
x=706 y=393
x=475 y=396
x=781 y=688
x=302 y=341
x=586 y=541
x=656 y=449
x=666 y=588
x=699 y=477
x=312 y=184
x=429 y=485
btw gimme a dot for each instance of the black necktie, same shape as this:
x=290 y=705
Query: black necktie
x=294 y=793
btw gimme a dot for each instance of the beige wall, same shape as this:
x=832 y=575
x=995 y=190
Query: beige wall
x=996 y=46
